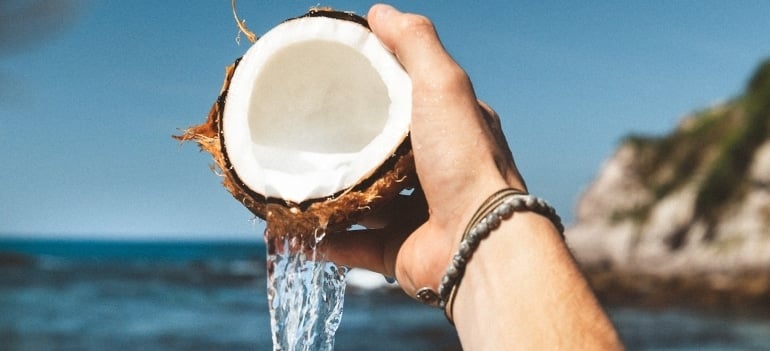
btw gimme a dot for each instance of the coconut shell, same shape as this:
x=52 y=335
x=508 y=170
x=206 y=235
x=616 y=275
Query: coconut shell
x=331 y=214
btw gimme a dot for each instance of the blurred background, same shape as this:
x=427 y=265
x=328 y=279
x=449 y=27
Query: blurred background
x=626 y=117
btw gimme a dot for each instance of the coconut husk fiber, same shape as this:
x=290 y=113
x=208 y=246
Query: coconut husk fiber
x=284 y=218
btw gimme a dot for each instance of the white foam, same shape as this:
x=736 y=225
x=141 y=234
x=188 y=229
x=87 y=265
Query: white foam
x=367 y=280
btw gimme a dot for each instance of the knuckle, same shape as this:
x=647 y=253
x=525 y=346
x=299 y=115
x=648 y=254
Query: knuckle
x=415 y=22
x=453 y=78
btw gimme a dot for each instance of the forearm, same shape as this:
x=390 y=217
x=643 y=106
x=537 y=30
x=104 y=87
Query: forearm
x=523 y=290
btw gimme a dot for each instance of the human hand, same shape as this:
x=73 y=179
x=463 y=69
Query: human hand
x=461 y=157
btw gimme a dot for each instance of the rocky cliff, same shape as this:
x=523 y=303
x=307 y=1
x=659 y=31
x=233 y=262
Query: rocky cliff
x=688 y=212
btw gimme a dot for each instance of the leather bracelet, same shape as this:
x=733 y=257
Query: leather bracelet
x=498 y=207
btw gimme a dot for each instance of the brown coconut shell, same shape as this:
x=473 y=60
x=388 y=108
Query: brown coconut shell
x=305 y=220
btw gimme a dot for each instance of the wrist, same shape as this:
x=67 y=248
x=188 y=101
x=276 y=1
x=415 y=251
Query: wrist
x=496 y=208
x=525 y=279
x=498 y=278
x=466 y=201
x=439 y=239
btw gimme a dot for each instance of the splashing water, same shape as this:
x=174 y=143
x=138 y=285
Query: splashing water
x=305 y=294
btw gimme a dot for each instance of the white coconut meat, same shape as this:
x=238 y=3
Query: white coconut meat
x=315 y=106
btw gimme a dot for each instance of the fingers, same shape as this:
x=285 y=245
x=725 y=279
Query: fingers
x=404 y=211
x=412 y=38
x=362 y=249
x=435 y=76
x=496 y=129
x=372 y=249
x=448 y=130
x=504 y=156
x=493 y=123
x=460 y=157
x=376 y=249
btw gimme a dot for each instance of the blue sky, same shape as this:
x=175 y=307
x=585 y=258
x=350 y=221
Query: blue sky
x=86 y=112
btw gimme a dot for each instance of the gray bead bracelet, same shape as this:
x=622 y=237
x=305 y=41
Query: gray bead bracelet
x=491 y=213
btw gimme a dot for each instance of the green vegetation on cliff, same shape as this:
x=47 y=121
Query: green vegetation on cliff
x=714 y=149
x=726 y=178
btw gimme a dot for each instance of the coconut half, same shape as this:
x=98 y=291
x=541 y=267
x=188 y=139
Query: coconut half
x=311 y=127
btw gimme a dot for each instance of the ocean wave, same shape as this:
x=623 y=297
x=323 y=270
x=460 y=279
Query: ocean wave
x=365 y=280
x=233 y=268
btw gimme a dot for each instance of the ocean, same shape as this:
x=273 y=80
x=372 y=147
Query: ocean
x=122 y=295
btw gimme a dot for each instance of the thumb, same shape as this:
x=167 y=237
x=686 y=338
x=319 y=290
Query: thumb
x=413 y=39
x=447 y=126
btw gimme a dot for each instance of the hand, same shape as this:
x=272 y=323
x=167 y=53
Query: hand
x=522 y=289
x=461 y=157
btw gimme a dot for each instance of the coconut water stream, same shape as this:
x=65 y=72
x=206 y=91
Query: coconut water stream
x=305 y=294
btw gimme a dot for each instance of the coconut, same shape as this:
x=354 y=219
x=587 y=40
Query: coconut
x=311 y=128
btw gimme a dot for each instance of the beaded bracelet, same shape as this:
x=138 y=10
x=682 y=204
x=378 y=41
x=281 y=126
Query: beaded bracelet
x=491 y=213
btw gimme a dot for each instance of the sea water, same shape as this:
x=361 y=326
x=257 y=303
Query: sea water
x=305 y=295
x=196 y=296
